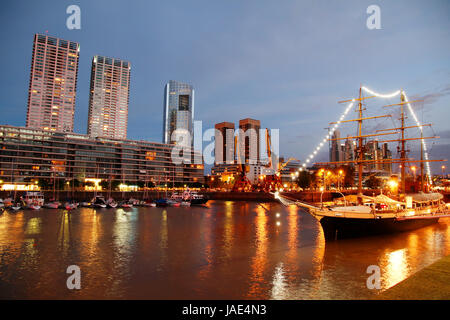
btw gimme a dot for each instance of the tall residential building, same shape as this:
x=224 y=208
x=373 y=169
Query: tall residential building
x=178 y=112
x=53 y=84
x=372 y=151
x=224 y=143
x=249 y=142
x=336 y=148
x=108 y=99
x=349 y=150
x=387 y=154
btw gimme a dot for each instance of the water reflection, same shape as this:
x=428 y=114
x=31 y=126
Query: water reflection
x=396 y=268
x=259 y=261
x=64 y=232
x=226 y=250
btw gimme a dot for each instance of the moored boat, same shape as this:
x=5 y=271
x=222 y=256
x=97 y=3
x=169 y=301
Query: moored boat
x=98 y=202
x=110 y=203
x=52 y=205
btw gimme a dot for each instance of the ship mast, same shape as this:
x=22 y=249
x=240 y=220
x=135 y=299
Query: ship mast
x=360 y=143
x=402 y=150
x=360 y=161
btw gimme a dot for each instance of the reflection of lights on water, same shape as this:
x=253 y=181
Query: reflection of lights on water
x=278 y=283
x=397 y=268
x=33 y=226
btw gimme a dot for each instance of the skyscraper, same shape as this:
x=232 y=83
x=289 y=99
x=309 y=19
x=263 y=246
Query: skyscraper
x=249 y=142
x=108 y=99
x=224 y=143
x=336 y=149
x=53 y=84
x=178 y=112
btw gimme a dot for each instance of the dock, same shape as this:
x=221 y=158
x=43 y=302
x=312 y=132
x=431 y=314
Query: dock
x=430 y=283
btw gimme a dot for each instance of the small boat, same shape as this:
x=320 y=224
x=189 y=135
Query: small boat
x=173 y=203
x=133 y=202
x=125 y=204
x=34 y=207
x=98 y=202
x=15 y=207
x=148 y=204
x=34 y=197
x=70 y=206
x=8 y=202
x=161 y=202
x=52 y=205
x=192 y=197
x=185 y=203
x=85 y=204
x=110 y=203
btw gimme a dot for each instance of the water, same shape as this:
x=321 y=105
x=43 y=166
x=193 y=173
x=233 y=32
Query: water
x=226 y=250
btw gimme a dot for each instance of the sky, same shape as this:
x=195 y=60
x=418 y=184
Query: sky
x=286 y=63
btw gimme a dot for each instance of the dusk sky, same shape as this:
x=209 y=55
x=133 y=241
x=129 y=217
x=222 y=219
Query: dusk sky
x=286 y=63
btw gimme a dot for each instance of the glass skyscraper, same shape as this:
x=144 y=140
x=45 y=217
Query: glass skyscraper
x=178 y=112
x=108 y=100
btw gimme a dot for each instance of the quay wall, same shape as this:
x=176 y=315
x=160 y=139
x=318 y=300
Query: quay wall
x=307 y=196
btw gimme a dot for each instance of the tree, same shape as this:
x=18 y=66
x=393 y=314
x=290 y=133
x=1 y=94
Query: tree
x=304 y=179
x=104 y=184
x=43 y=184
x=115 y=184
x=373 y=182
x=349 y=178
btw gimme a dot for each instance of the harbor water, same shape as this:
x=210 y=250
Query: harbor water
x=223 y=250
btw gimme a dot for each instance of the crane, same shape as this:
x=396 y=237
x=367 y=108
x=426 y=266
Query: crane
x=272 y=182
x=241 y=183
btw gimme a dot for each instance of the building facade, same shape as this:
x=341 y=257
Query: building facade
x=336 y=148
x=224 y=143
x=28 y=155
x=109 y=97
x=53 y=84
x=178 y=113
x=249 y=140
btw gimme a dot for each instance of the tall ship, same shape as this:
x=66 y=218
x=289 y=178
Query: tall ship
x=364 y=215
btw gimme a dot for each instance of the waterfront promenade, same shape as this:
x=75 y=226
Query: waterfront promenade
x=430 y=283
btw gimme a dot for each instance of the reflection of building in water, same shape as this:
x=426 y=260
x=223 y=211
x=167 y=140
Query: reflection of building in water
x=259 y=261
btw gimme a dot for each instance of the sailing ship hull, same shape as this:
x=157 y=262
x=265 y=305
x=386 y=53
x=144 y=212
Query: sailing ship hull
x=335 y=228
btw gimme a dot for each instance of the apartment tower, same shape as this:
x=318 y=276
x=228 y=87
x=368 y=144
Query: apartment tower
x=108 y=99
x=53 y=84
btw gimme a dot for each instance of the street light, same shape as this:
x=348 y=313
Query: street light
x=339 y=179
x=443 y=170
x=413 y=168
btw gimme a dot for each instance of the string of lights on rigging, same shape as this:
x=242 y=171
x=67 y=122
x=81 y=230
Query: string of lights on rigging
x=349 y=106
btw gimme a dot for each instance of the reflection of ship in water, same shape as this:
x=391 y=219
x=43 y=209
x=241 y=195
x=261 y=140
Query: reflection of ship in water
x=381 y=214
